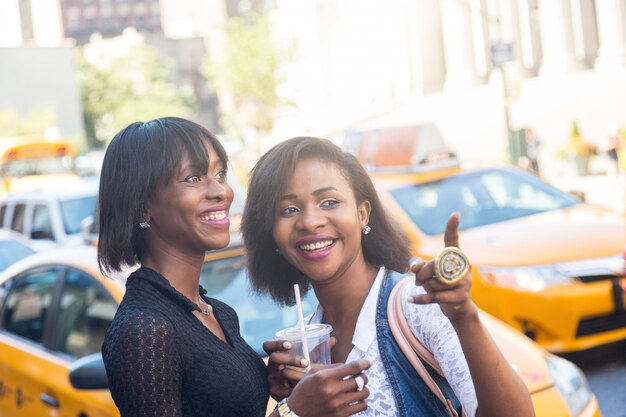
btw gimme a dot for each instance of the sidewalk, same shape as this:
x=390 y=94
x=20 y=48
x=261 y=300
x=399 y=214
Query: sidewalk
x=607 y=190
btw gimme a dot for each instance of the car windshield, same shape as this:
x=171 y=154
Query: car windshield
x=12 y=251
x=75 y=210
x=259 y=317
x=483 y=197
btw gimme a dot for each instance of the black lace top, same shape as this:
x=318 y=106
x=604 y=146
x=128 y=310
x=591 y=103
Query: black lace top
x=162 y=361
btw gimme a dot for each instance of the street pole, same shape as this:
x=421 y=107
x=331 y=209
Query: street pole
x=500 y=53
x=514 y=153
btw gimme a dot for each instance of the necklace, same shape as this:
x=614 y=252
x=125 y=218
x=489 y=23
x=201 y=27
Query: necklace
x=204 y=311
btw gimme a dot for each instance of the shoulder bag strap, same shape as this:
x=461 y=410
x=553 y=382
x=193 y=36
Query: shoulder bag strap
x=411 y=347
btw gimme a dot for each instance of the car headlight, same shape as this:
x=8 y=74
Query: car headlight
x=538 y=277
x=534 y=278
x=571 y=383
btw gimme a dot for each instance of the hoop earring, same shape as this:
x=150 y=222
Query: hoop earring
x=144 y=224
x=366 y=230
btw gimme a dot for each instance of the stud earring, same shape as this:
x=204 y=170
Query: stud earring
x=144 y=224
x=366 y=230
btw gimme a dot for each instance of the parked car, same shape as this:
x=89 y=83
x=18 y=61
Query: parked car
x=13 y=247
x=56 y=306
x=50 y=217
x=543 y=261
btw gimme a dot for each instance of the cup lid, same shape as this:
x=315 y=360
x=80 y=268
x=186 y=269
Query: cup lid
x=312 y=330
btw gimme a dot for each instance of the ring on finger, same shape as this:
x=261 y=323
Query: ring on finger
x=451 y=265
x=360 y=383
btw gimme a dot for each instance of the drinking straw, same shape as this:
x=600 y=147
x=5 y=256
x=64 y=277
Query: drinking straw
x=305 y=345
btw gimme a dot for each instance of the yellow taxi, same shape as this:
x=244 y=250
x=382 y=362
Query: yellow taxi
x=543 y=261
x=55 y=307
x=34 y=162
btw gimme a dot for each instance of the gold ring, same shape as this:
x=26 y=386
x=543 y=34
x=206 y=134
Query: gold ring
x=451 y=265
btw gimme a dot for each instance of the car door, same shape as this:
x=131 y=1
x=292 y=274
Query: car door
x=50 y=317
x=24 y=312
x=83 y=315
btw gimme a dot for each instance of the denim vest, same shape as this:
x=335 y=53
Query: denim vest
x=412 y=396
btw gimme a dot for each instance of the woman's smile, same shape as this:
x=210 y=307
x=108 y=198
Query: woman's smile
x=315 y=248
x=216 y=217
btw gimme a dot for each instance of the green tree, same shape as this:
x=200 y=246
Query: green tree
x=136 y=86
x=250 y=73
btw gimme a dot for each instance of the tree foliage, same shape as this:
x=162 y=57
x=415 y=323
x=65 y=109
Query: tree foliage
x=250 y=72
x=136 y=86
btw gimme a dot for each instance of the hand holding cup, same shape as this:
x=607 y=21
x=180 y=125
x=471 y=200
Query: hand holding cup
x=287 y=363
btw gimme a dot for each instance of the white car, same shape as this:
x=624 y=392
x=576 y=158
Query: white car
x=50 y=217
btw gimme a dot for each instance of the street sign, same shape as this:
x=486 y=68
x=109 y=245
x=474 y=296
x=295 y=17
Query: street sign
x=501 y=53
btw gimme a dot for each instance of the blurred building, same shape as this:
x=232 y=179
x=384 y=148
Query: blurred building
x=438 y=44
x=38 y=78
x=475 y=67
x=82 y=18
x=37 y=73
x=30 y=22
x=186 y=31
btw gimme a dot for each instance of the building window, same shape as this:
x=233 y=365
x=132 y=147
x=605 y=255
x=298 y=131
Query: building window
x=90 y=12
x=140 y=9
x=123 y=10
x=72 y=14
x=106 y=10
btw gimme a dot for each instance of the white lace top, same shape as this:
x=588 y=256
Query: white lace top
x=431 y=328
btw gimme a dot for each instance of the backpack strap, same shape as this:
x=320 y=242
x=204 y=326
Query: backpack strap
x=411 y=347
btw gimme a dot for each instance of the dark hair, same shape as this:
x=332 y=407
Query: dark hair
x=139 y=158
x=271 y=273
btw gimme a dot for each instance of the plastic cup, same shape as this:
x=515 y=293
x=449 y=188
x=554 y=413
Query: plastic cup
x=318 y=342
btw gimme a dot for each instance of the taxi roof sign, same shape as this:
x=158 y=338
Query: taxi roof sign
x=410 y=148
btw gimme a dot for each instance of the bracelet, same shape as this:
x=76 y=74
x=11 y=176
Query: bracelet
x=284 y=410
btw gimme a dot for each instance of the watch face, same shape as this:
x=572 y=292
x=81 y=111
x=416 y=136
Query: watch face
x=451 y=265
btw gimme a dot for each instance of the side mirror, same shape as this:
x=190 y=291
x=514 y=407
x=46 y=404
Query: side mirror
x=88 y=373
